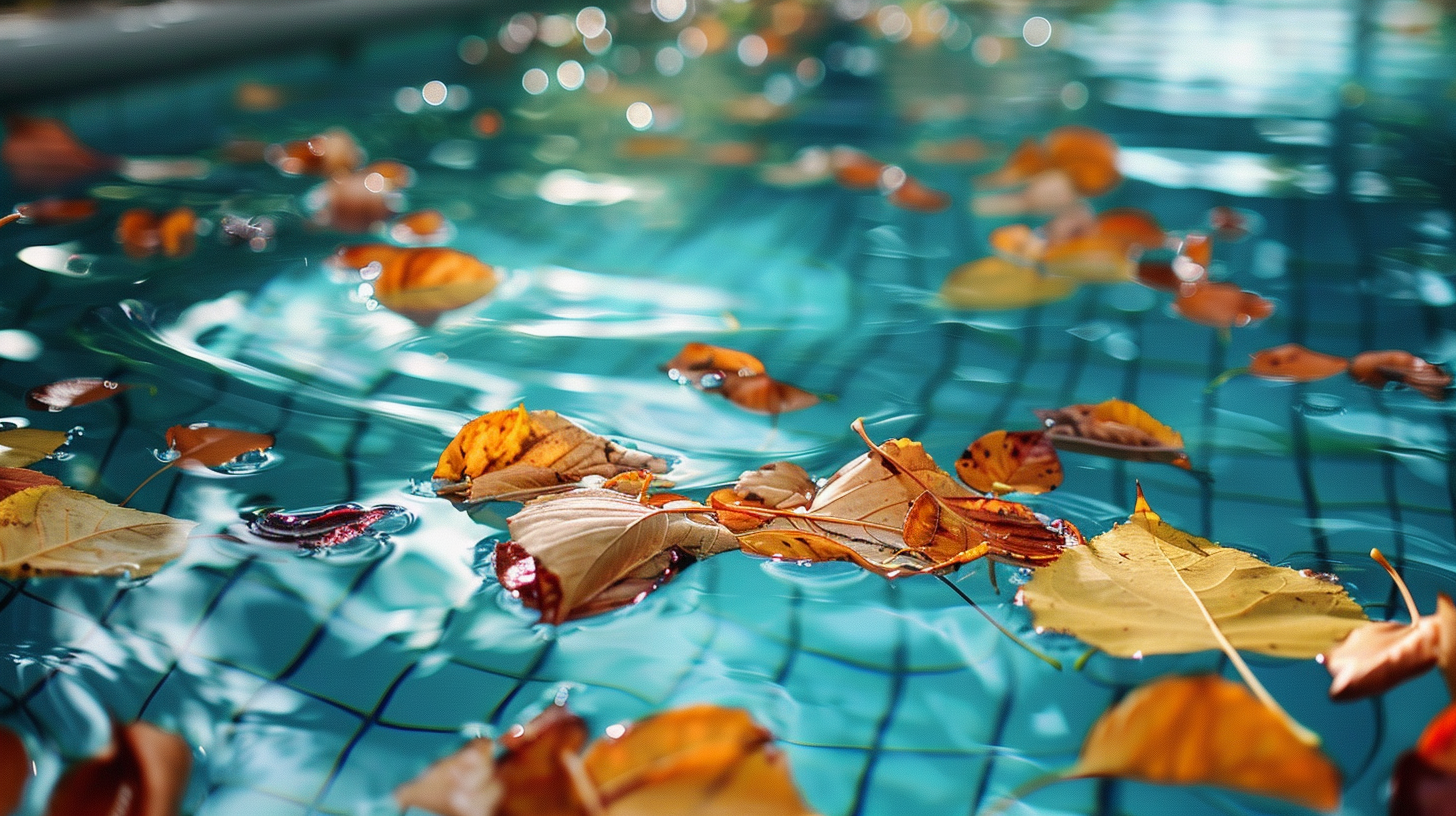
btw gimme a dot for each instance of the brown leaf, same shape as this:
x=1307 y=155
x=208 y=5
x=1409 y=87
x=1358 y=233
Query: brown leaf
x=1292 y=362
x=422 y=283
x=697 y=360
x=14 y=771
x=63 y=394
x=780 y=485
x=1114 y=428
x=1221 y=305
x=765 y=395
x=506 y=452
x=1010 y=461
x=136 y=231
x=329 y=153
x=421 y=227
x=855 y=170
x=956 y=530
x=51 y=530
x=354 y=202
x=177 y=232
x=462 y=784
x=532 y=771
x=14 y=480
x=209 y=446
x=143 y=773
x=1379 y=368
x=588 y=539
x=739 y=376
x=788 y=543
x=26 y=446
x=1206 y=730
x=1137 y=230
x=1381 y=655
x=43 y=153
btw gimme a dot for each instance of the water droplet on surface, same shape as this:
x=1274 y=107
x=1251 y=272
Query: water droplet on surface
x=166 y=454
x=250 y=462
x=711 y=380
x=1321 y=405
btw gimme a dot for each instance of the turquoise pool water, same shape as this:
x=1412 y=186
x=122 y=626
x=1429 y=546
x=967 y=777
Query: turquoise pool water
x=316 y=685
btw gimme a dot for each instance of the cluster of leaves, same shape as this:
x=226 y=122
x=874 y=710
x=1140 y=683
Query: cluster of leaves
x=738 y=376
x=1292 y=362
x=143 y=772
x=143 y=233
x=701 y=759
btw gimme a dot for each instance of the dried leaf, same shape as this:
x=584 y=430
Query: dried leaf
x=764 y=395
x=353 y=202
x=326 y=528
x=14 y=771
x=914 y=196
x=996 y=283
x=532 y=770
x=698 y=360
x=780 y=485
x=1114 y=428
x=1124 y=592
x=584 y=541
x=788 y=543
x=421 y=227
x=508 y=451
x=1292 y=362
x=136 y=231
x=329 y=153
x=55 y=530
x=143 y=773
x=26 y=446
x=1380 y=368
x=462 y=784
x=1221 y=305
x=43 y=153
x=855 y=170
x=1137 y=230
x=14 y=480
x=63 y=394
x=1381 y=655
x=1206 y=730
x=210 y=446
x=177 y=232
x=422 y=283
x=1010 y=461
x=951 y=531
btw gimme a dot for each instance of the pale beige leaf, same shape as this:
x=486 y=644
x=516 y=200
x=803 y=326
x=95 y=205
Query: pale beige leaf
x=20 y=447
x=462 y=784
x=55 y=530
x=1121 y=594
x=1379 y=656
x=780 y=485
x=866 y=490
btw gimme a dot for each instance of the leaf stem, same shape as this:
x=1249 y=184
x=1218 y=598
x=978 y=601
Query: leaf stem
x=10 y=219
x=773 y=511
x=1217 y=382
x=138 y=488
x=1043 y=656
x=1022 y=791
x=1410 y=601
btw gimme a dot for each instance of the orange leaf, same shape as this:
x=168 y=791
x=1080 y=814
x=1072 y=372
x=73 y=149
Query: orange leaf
x=1379 y=368
x=1197 y=248
x=354 y=202
x=776 y=486
x=63 y=394
x=1135 y=229
x=698 y=359
x=1417 y=788
x=856 y=170
x=1094 y=257
x=1379 y=656
x=136 y=231
x=420 y=226
x=177 y=232
x=799 y=545
x=1437 y=744
x=48 y=211
x=916 y=197
x=1221 y=305
x=1011 y=461
x=1114 y=428
x=329 y=153
x=956 y=530
x=13 y=480
x=1028 y=159
x=14 y=771
x=532 y=772
x=143 y=773
x=764 y=395
x=1206 y=730
x=208 y=446
x=1018 y=243
x=422 y=283
x=1088 y=156
x=739 y=376
x=1292 y=362
x=44 y=153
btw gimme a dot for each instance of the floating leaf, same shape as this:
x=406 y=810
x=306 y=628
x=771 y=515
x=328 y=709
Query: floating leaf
x=422 y=283
x=14 y=771
x=1046 y=193
x=1221 y=305
x=14 y=480
x=957 y=530
x=739 y=376
x=143 y=773
x=1424 y=781
x=915 y=196
x=1205 y=730
x=55 y=530
x=330 y=153
x=764 y=395
x=1380 y=368
x=996 y=283
x=26 y=446
x=855 y=170
x=354 y=202
x=51 y=211
x=1018 y=243
x=505 y=452
x=1114 y=428
x=421 y=227
x=63 y=394
x=1086 y=155
x=1137 y=230
x=1127 y=592
x=1010 y=461
x=462 y=784
x=1292 y=362
x=142 y=233
x=326 y=528
x=781 y=485
x=43 y=153
x=582 y=542
x=177 y=232
x=1094 y=258
x=209 y=446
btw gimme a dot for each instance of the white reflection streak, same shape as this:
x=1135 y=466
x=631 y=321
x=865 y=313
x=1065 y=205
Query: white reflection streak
x=619 y=329
x=1249 y=174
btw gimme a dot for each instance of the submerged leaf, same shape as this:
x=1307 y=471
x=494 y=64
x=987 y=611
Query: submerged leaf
x=1205 y=730
x=1011 y=461
x=1292 y=362
x=462 y=784
x=515 y=451
x=143 y=773
x=1114 y=428
x=1127 y=592
x=26 y=446
x=55 y=530
x=1221 y=305
x=996 y=283
x=14 y=771
x=1380 y=368
x=323 y=529
x=210 y=446
x=63 y=394
x=422 y=283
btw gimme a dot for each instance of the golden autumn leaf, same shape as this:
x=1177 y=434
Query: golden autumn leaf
x=1114 y=428
x=996 y=283
x=26 y=446
x=569 y=548
x=422 y=283
x=51 y=530
x=957 y=530
x=14 y=771
x=775 y=486
x=1292 y=362
x=1205 y=730
x=142 y=773
x=1010 y=462
x=1136 y=230
x=1380 y=368
x=1091 y=258
x=1146 y=587
x=520 y=452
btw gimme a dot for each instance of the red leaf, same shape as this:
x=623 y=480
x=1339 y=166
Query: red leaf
x=1379 y=368
x=1417 y=789
x=43 y=153
x=14 y=480
x=63 y=394
x=210 y=446
x=14 y=771
x=1292 y=362
x=49 y=211
x=322 y=529
x=1221 y=305
x=143 y=773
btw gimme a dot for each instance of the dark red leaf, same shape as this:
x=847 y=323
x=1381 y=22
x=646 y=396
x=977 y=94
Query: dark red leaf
x=14 y=771
x=143 y=773
x=43 y=153
x=322 y=529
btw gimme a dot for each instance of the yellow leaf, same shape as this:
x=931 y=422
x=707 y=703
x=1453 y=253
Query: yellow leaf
x=996 y=283
x=55 y=530
x=1114 y=428
x=1206 y=730
x=26 y=446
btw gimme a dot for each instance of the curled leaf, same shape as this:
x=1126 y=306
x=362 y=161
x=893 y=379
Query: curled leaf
x=324 y=528
x=533 y=769
x=1010 y=461
x=1221 y=305
x=26 y=446
x=63 y=394
x=781 y=485
x=422 y=283
x=209 y=446
x=956 y=530
x=14 y=771
x=582 y=542
x=996 y=283
x=739 y=376
x=1205 y=730
x=49 y=529
x=143 y=773
x=1292 y=362
x=1381 y=655
x=1114 y=428
x=1380 y=368
x=507 y=452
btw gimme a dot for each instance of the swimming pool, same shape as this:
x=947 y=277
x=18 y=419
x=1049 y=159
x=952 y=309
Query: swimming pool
x=318 y=684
